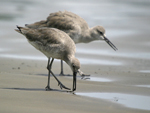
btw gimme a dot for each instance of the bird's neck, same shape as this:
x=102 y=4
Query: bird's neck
x=68 y=60
x=87 y=36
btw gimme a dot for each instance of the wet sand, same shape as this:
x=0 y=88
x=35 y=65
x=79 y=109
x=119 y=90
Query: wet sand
x=22 y=86
x=116 y=77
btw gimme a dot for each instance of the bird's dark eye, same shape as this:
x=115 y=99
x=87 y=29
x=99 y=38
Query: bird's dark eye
x=100 y=32
x=73 y=65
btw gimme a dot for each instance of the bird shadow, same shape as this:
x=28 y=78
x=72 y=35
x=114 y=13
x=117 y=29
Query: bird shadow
x=39 y=89
x=26 y=89
x=66 y=75
x=84 y=77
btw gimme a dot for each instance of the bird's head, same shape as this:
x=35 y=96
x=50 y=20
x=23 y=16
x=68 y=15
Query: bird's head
x=75 y=65
x=98 y=33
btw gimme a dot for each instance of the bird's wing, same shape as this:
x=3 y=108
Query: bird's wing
x=36 y=25
x=66 y=21
x=43 y=35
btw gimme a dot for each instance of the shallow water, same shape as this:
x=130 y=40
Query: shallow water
x=128 y=100
x=144 y=71
x=145 y=86
x=82 y=60
x=98 y=79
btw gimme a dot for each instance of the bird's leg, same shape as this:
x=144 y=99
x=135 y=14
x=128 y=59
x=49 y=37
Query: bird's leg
x=62 y=72
x=59 y=83
x=49 y=68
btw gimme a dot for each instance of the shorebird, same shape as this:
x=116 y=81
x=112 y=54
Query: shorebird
x=75 y=26
x=56 y=44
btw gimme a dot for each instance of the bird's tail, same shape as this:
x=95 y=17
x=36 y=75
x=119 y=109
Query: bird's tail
x=30 y=34
x=36 y=25
x=19 y=29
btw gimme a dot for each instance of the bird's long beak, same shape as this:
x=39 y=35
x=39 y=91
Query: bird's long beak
x=110 y=43
x=74 y=81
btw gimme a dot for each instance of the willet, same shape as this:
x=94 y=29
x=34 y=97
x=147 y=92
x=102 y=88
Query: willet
x=56 y=44
x=75 y=26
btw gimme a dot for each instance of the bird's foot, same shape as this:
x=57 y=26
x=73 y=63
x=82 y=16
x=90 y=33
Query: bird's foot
x=47 y=88
x=84 y=77
x=71 y=91
x=62 y=86
x=62 y=74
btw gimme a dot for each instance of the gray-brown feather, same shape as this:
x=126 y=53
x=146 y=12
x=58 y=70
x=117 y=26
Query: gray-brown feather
x=36 y=25
x=75 y=26
x=59 y=20
x=52 y=42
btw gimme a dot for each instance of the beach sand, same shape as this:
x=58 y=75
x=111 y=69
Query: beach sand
x=22 y=87
x=23 y=73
